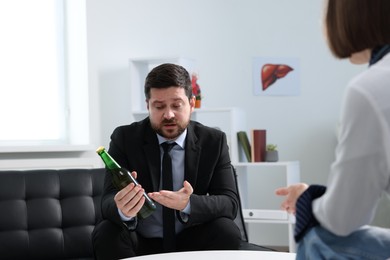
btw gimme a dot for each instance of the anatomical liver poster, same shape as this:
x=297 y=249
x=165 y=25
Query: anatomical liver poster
x=274 y=76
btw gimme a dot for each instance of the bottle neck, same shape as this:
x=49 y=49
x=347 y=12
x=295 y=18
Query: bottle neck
x=110 y=163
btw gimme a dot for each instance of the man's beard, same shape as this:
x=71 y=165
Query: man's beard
x=170 y=134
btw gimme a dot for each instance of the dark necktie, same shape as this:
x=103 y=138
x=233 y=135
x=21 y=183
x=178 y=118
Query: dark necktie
x=168 y=214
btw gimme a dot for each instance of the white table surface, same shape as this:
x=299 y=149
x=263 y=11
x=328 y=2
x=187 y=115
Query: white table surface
x=219 y=255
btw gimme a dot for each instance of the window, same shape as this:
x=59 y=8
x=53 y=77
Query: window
x=43 y=59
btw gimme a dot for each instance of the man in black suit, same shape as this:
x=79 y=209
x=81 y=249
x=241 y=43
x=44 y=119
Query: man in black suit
x=203 y=197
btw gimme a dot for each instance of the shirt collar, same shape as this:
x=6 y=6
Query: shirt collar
x=378 y=53
x=180 y=140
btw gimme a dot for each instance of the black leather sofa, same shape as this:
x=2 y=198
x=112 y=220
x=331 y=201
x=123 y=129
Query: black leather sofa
x=50 y=214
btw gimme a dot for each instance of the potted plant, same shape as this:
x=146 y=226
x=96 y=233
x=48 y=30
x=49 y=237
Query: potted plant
x=271 y=153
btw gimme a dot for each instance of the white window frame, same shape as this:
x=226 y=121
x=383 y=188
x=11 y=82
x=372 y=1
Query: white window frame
x=76 y=124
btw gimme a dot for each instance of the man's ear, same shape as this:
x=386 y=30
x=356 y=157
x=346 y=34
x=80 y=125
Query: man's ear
x=147 y=103
x=192 y=103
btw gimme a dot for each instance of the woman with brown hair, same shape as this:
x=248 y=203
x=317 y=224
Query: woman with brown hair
x=332 y=221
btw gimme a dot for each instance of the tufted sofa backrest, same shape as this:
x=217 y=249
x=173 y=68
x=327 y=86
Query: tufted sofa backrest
x=49 y=214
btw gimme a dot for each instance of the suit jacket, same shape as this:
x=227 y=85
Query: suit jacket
x=207 y=168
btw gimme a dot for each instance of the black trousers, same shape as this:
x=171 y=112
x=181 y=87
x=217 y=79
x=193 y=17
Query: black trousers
x=111 y=241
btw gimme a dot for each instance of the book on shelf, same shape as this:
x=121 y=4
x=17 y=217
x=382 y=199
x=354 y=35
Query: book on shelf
x=244 y=143
x=258 y=147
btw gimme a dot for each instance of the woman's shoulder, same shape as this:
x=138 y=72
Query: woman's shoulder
x=374 y=80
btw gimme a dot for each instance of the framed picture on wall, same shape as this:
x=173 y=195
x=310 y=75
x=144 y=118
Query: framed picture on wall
x=274 y=76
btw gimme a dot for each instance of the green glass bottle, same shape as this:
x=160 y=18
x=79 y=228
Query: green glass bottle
x=121 y=178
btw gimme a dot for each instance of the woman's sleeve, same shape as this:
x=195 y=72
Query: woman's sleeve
x=305 y=218
x=360 y=172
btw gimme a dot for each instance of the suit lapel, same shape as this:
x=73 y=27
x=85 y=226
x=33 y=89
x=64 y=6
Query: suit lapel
x=192 y=156
x=152 y=152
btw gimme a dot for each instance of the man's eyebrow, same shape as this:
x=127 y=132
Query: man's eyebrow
x=174 y=100
x=157 y=101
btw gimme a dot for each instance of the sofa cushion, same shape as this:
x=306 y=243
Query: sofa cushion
x=49 y=214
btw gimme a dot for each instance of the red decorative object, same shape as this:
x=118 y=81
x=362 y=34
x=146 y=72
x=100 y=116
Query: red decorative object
x=272 y=72
x=196 y=90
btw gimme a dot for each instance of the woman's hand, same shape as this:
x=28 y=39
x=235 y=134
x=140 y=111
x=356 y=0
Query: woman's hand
x=291 y=193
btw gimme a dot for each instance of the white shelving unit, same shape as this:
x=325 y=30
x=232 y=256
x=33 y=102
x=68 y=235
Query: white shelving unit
x=230 y=120
x=291 y=172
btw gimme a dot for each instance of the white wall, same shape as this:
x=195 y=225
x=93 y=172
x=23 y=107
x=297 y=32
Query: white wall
x=223 y=36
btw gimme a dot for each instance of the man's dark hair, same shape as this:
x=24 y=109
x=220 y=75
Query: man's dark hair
x=168 y=75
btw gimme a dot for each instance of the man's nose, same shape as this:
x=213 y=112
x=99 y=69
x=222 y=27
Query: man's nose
x=168 y=114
